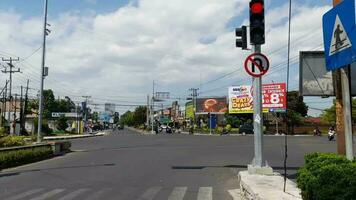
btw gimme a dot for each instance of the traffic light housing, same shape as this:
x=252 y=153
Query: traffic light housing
x=257 y=22
x=241 y=40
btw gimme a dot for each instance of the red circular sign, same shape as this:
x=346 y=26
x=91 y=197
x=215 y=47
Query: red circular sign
x=256 y=64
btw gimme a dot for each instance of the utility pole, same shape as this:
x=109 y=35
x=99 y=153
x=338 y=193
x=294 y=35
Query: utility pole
x=148 y=110
x=153 y=106
x=3 y=105
x=86 y=110
x=40 y=110
x=21 y=110
x=339 y=108
x=194 y=95
x=11 y=71
x=25 y=108
x=343 y=109
x=14 y=115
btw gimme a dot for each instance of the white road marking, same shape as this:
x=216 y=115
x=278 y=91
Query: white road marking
x=25 y=194
x=150 y=193
x=48 y=194
x=205 y=193
x=73 y=194
x=235 y=194
x=98 y=194
x=178 y=193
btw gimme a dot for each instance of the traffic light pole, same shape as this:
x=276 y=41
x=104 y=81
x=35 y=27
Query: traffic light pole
x=257 y=116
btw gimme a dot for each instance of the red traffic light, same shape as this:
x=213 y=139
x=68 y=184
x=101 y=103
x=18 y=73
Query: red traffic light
x=257 y=8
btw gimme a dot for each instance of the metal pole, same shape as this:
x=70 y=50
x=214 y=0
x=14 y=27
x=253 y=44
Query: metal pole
x=257 y=116
x=210 y=122
x=347 y=113
x=152 y=105
x=39 y=130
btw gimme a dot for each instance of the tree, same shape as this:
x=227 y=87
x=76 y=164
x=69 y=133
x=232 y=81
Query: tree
x=329 y=114
x=140 y=115
x=62 y=123
x=297 y=110
x=50 y=104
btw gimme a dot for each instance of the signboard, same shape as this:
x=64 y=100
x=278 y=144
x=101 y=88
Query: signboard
x=256 y=65
x=274 y=98
x=70 y=115
x=110 y=108
x=211 y=105
x=314 y=79
x=161 y=95
x=189 y=110
x=240 y=99
x=339 y=32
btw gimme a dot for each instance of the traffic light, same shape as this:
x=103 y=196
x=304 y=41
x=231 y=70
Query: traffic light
x=257 y=22
x=241 y=41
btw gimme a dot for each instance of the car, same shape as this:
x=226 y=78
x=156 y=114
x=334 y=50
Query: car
x=246 y=129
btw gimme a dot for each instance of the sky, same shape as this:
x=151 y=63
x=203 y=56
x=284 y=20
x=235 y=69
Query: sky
x=113 y=50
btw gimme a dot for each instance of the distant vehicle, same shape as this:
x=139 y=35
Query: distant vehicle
x=246 y=129
x=98 y=127
x=120 y=126
x=168 y=129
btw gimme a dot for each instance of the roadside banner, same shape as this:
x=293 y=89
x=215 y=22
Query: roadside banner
x=274 y=98
x=240 y=99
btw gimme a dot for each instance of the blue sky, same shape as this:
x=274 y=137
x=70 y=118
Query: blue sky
x=31 y=8
x=108 y=48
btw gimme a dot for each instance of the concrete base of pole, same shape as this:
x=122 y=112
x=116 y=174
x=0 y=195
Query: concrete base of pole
x=266 y=170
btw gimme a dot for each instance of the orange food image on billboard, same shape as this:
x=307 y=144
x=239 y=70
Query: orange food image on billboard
x=213 y=105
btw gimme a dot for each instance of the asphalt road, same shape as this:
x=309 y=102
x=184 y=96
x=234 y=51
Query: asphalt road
x=129 y=166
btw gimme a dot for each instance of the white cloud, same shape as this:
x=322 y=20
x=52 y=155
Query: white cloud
x=120 y=53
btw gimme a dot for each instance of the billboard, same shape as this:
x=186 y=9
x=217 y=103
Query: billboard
x=240 y=99
x=189 y=110
x=314 y=79
x=274 y=98
x=211 y=105
x=110 y=108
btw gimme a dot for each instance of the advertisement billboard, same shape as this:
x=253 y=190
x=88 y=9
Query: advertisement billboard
x=189 y=110
x=274 y=98
x=240 y=99
x=211 y=105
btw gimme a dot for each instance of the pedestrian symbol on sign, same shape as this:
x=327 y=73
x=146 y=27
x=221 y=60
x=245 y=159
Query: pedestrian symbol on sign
x=340 y=40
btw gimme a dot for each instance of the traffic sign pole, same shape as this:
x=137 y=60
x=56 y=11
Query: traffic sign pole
x=257 y=116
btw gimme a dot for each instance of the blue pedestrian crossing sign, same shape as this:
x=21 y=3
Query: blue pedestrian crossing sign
x=339 y=31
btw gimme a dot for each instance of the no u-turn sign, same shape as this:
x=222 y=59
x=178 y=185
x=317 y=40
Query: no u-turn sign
x=256 y=64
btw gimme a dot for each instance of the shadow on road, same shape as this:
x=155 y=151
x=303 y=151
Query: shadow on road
x=18 y=172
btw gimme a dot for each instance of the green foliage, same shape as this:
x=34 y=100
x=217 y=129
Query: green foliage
x=327 y=177
x=24 y=156
x=136 y=118
x=62 y=123
x=11 y=141
x=45 y=128
x=228 y=127
x=235 y=120
x=329 y=114
x=50 y=104
x=2 y=132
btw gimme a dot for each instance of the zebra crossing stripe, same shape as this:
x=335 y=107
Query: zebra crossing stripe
x=98 y=194
x=73 y=194
x=48 y=194
x=25 y=194
x=177 y=193
x=150 y=193
x=205 y=193
x=235 y=194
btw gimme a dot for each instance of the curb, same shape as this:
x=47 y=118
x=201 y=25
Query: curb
x=73 y=136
